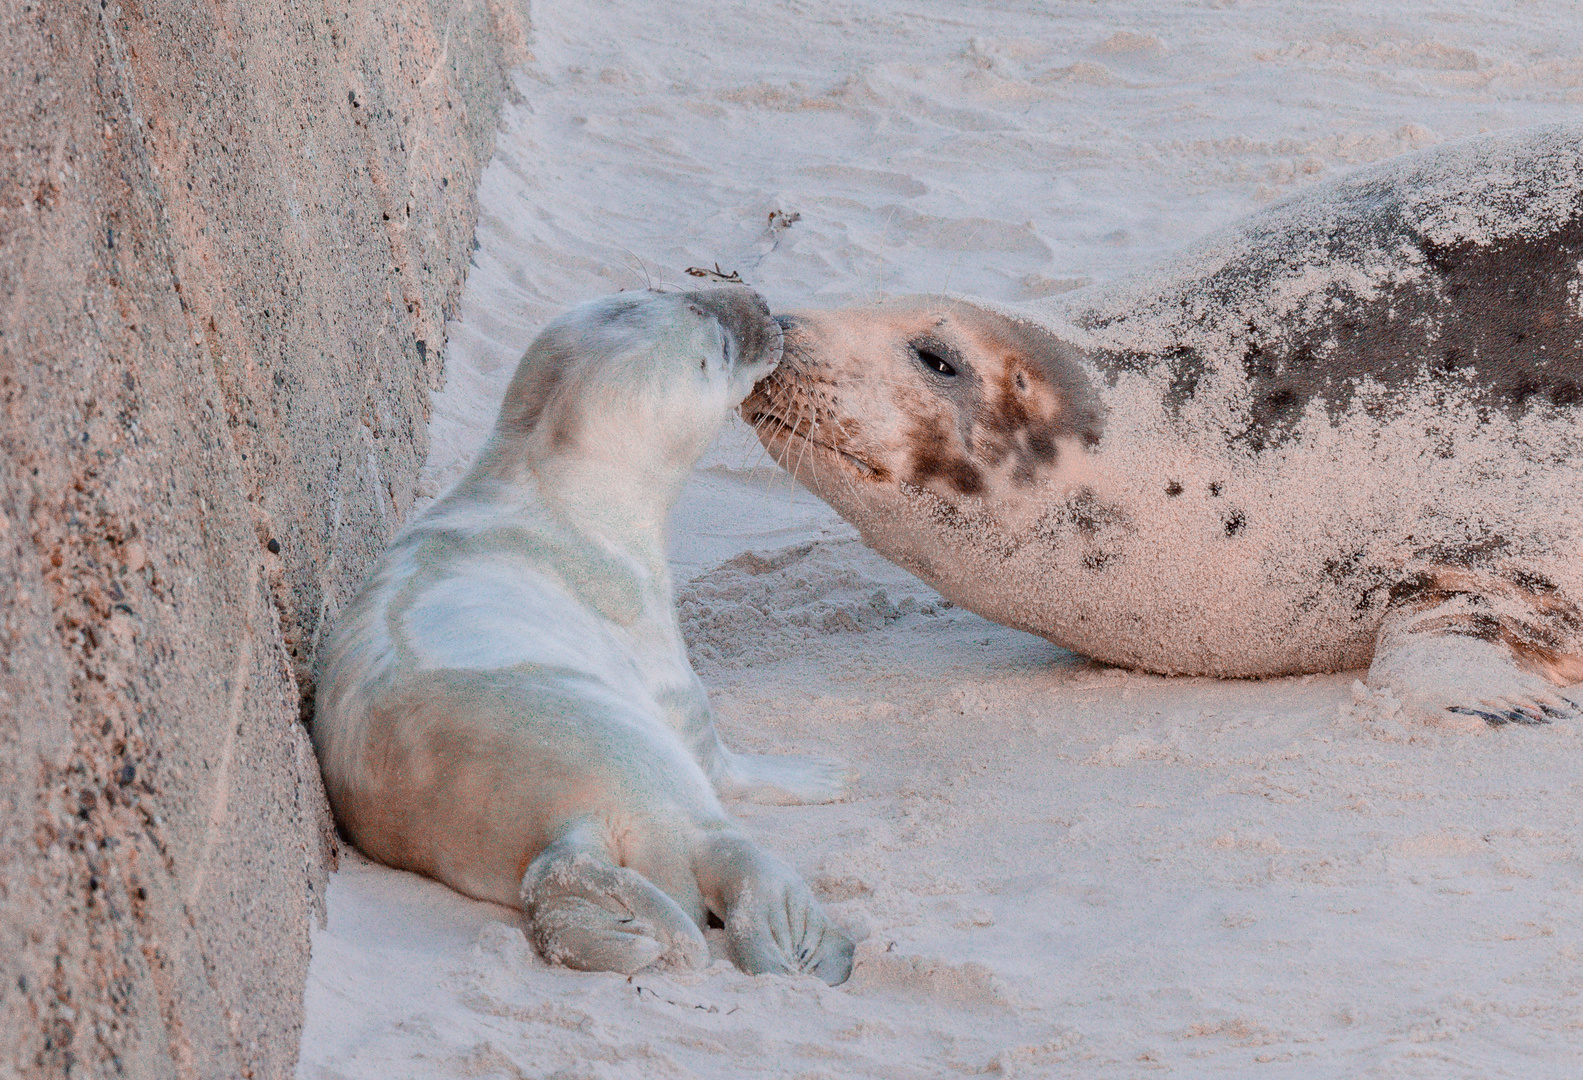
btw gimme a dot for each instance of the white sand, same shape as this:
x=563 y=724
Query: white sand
x=1057 y=869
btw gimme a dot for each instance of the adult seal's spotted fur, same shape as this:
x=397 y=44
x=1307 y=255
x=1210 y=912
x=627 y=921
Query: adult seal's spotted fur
x=507 y=704
x=1346 y=431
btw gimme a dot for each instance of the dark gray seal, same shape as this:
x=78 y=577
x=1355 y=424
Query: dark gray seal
x=1346 y=431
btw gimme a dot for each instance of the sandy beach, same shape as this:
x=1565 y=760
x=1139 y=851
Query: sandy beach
x=1053 y=868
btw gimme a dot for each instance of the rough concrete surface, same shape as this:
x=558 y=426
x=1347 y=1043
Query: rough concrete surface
x=229 y=236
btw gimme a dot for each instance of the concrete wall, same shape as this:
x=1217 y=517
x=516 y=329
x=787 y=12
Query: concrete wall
x=229 y=236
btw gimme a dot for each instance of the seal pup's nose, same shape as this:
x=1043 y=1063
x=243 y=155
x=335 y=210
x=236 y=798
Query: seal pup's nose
x=747 y=316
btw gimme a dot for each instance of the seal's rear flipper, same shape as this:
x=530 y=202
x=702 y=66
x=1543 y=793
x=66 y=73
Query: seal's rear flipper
x=773 y=923
x=1498 y=646
x=586 y=912
x=781 y=780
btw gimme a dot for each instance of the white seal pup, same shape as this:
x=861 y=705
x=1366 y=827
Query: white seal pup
x=507 y=705
x=1347 y=431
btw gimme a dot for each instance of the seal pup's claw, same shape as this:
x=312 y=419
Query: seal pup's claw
x=784 y=780
x=588 y=913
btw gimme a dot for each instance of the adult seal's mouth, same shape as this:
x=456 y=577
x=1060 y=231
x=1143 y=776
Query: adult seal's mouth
x=772 y=427
x=792 y=411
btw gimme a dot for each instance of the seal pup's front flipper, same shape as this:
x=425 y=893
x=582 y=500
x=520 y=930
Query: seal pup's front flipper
x=773 y=924
x=588 y=913
x=1498 y=647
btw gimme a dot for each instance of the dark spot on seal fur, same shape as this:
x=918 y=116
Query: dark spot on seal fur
x=1016 y=427
x=1470 y=554
x=1031 y=354
x=1174 y=488
x=1256 y=363
x=1098 y=527
x=1276 y=405
x=1271 y=415
x=1493 y=325
x=1566 y=394
x=1234 y=522
x=1421 y=590
x=621 y=309
x=1215 y=488
x=943 y=513
x=1522 y=389
x=934 y=457
x=1097 y=560
x=1480 y=625
x=1090 y=513
x=1187 y=369
x=1532 y=582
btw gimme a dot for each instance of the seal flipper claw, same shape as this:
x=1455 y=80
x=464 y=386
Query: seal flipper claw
x=586 y=912
x=1522 y=716
x=1530 y=716
x=1492 y=719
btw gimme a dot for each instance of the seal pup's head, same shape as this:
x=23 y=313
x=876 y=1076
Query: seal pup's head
x=979 y=408
x=641 y=381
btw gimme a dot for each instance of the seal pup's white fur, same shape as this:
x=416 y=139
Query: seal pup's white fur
x=507 y=705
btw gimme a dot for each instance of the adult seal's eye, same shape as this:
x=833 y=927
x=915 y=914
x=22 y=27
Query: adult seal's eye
x=934 y=362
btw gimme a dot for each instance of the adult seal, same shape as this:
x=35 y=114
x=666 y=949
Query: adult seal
x=507 y=705
x=1347 y=431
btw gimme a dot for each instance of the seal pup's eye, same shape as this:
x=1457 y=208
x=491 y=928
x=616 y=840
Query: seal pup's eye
x=725 y=357
x=934 y=361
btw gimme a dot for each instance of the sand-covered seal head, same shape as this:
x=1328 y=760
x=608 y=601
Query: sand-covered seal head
x=1346 y=431
x=929 y=393
x=507 y=704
